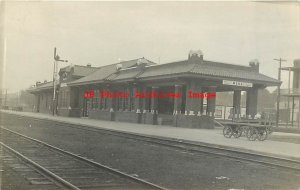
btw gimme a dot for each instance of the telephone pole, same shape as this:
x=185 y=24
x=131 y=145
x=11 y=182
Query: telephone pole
x=55 y=72
x=278 y=90
x=5 y=100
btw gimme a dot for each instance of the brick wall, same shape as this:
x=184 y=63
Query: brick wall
x=191 y=121
x=149 y=118
x=165 y=119
x=63 y=112
x=101 y=115
x=127 y=116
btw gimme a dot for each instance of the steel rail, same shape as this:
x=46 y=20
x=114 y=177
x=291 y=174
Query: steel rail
x=41 y=169
x=187 y=146
x=91 y=162
x=170 y=143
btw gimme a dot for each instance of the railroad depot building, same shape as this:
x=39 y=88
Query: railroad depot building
x=81 y=91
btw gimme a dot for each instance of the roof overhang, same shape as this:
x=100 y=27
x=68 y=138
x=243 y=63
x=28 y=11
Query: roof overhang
x=290 y=68
x=189 y=75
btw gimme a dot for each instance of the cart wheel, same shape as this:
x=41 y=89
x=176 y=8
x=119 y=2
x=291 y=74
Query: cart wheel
x=262 y=135
x=248 y=132
x=270 y=129
x=244 y=130
x=227 y=132
x=238 y=132
x=252 y=134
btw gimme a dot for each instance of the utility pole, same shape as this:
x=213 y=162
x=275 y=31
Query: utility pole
x=5 y=98
x=54 y=85
x=56 y=60
x=278 y=90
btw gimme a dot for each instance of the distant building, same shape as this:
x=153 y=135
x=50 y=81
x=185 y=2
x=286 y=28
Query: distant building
x=290 y=97
x=81 y=96
x=44 y=91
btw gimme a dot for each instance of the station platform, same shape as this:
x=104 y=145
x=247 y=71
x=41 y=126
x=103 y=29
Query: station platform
x=279 y=144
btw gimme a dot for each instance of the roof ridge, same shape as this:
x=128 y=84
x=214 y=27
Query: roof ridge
x=118 y=63
x=224 y=63
x=84 y=66
x=268 y=76
x=138 y=74
x=174 y=62
x=157 y=65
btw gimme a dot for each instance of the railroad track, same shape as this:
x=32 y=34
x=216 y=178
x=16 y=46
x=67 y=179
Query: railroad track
x=18 y=174
x=65 y=169
x=239 y=155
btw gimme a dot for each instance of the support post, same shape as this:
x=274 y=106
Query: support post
x=251 y=102
x=54 y=86
x=178 y=100
x=154 y=105
x=112 y=106
x=194 y=103
x=237 y=103
x=154 y=100
x=211 y=101
x=137 y=100
x=278 y=90
x=145 y=101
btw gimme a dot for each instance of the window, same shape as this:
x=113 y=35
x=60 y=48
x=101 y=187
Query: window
x=101 y=106
x=96 y=99
x=131 y=99
x=46 y=102
x=120 y=104
x=100 y=100
x=59 y=99
x=63 y=98
x=92 y=103
x=67 y=98
x=121 y=101
x=126 y=100
x=103 y=102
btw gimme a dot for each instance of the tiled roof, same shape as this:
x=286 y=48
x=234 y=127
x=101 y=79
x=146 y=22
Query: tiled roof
x=79 y=70
x=83 y=70
x=240 y=72
x=42 y=86
x=125 y=74
x=207 y=68
x=131 y=71
x=167 y=69
x=150 y=70
x=105 y=72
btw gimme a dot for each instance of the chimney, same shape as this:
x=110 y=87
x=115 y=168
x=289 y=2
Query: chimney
x=297 y=63
x=254 y=64
x=296 y=74
x=141 y=63
x=119 y=66
x=195 y=57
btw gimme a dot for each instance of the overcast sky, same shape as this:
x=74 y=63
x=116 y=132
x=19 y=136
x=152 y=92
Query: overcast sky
x=101 y=33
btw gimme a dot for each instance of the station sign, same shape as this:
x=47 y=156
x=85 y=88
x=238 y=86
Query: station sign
x=237 y=83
